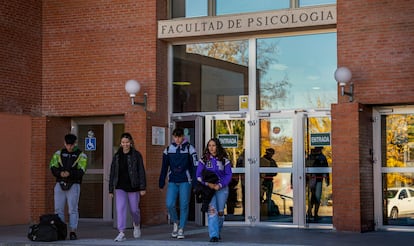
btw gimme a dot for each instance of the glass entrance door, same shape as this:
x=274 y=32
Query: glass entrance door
x=193 y=132
x=99 y=139
x=279 y=177
x=394 y=166
x=230 y=130
x=294 y=180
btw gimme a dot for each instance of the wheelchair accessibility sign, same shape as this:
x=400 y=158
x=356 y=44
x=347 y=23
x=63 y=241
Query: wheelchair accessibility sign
x=90 y=144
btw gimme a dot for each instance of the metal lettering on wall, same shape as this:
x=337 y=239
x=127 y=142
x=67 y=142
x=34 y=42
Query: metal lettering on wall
x=292 y=18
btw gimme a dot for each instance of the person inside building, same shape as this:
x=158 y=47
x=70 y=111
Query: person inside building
x=68 y=165
x=215 y=159
x=178 y=162
x=267 y=179
x=127 y=180
x=317 y=159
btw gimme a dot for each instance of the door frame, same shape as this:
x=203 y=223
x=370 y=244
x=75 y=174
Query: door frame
x=298 y=169
x=378 y=169
x=249 y=218
x=198 y=145
x=107 y=123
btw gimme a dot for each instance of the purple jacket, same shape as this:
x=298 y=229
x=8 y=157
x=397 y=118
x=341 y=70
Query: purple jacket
x=222 y=170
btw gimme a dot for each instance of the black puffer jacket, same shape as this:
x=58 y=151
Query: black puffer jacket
x=136 y=170
x=203 y=193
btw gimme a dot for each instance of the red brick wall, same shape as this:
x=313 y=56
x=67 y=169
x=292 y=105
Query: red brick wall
x=345 y=167
x=91 y=48
x=20 y=56
x=376 y=41
x=21 y=83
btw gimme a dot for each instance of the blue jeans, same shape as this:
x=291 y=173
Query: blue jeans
x=70 y=196
x=181 y=190
x=216 y=212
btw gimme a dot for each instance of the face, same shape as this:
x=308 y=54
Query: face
x=125 y=144
x=212 y=148
x=178 y=139
x=69 y=147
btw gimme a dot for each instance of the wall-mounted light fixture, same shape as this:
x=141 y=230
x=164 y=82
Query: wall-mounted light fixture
x=133 y=87
x=343 y=75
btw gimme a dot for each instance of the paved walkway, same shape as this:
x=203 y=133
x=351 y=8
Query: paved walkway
x=102 y=233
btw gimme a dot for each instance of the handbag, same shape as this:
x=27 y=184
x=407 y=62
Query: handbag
x=65 y=185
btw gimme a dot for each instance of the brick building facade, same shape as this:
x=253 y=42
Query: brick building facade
x=62 y=60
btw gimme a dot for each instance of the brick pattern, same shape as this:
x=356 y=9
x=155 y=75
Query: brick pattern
x=376 y=42
x=90 y=48
x=21 y=57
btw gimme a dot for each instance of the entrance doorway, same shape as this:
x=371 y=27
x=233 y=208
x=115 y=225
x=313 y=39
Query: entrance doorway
x=394 y=166
x=275 y=179
x=94 y=200
x=193 y=132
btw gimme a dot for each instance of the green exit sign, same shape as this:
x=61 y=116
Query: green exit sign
x=228 y=140
x=320 y=139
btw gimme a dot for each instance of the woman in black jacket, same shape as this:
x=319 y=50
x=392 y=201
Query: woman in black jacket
x=128 y=179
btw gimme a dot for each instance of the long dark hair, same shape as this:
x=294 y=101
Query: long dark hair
x=220 y=151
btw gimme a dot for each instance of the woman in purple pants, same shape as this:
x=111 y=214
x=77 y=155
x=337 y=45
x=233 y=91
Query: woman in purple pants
x=127 y=179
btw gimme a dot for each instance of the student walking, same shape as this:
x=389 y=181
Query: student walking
x=178 y=162
x=215 y=160
x=127 y=179
x=68 y=165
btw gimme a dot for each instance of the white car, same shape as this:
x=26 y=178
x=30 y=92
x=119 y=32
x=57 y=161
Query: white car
x=400 y=201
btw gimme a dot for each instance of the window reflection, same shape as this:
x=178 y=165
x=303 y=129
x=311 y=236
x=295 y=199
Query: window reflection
x=398 y=187
x=296 y=71
x=189 y=8
x=200 y=8
x=276 y=189
x=399 y=147
x=209 y=76
x=304 y=3
x=244 y=6
x=398 y=199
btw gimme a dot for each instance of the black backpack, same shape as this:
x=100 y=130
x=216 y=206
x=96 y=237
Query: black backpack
x=50 y=228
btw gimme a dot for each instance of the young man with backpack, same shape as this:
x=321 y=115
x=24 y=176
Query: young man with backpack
x=178 y=162
x=68 y=165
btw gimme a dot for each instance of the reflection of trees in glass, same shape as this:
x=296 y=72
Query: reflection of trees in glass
x=272 y=91
x=398 y=134
x=319 y=125
x=230 y=51
x=232 y=127
x=282 y=144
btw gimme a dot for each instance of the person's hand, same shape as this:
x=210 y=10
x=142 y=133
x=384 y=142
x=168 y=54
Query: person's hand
x=64 y=174
x=142 y=192
x=111 y=195
x=213 y=186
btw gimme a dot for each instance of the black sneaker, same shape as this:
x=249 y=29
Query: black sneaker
x=214 y=239
x=72 y=236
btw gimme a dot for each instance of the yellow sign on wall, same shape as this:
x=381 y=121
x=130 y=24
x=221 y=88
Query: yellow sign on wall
x=243 y=103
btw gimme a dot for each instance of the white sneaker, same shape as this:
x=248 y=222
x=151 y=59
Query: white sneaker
x=121 y=237
x=174 y=233
x=180 y=234
x=137 y=231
